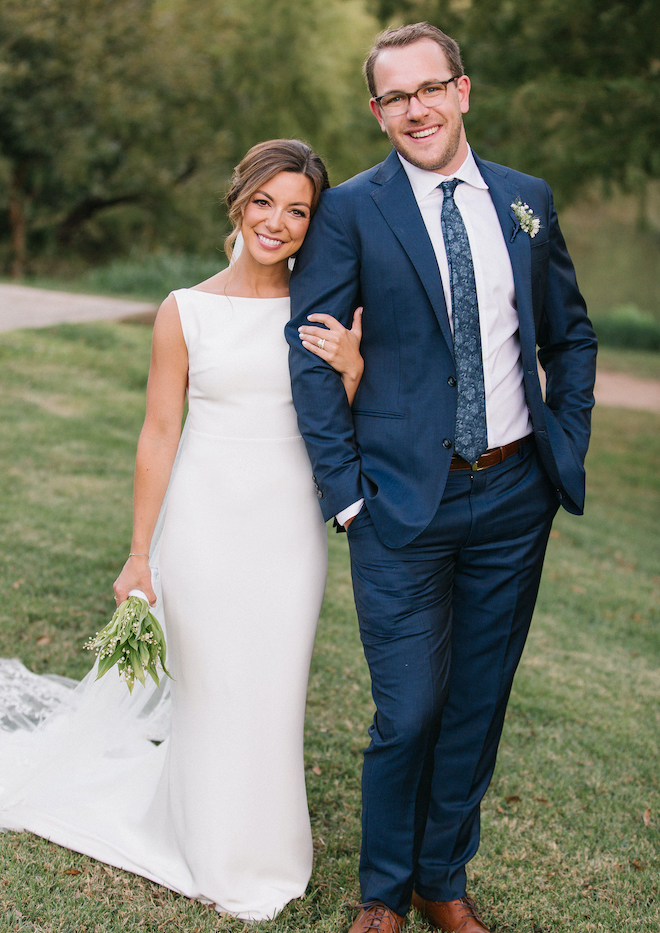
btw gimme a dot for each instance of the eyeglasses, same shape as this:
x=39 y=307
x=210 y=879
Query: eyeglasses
x=429 y=95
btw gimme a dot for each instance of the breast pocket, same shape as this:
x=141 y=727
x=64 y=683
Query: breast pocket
x=539 y=276
x=540 y=251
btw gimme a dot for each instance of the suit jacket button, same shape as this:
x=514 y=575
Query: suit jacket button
x=446 y=443
x=452 y=382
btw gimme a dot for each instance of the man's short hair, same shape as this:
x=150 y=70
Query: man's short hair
x=406 y=35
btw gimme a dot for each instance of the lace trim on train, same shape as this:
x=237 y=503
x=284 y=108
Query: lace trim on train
x=26 y=699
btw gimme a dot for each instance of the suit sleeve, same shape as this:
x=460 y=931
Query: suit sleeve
x=326 y=279
x=567 y=344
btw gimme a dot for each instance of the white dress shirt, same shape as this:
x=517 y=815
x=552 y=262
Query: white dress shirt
x=507 y=416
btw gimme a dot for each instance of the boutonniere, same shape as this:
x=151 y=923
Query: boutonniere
x=527 y=219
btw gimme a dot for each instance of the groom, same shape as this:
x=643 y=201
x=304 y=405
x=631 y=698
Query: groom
x=450 y=466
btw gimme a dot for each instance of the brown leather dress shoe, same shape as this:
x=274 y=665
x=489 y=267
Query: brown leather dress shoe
x=459 y=916
x=376 y=916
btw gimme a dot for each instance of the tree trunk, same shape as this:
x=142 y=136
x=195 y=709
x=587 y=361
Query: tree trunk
x=86 y=209
x=17 y=222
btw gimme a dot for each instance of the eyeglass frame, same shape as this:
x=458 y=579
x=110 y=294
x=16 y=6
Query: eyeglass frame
x=414 y=94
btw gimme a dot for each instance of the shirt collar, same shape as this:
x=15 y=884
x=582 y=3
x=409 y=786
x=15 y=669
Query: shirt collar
x=423 y=182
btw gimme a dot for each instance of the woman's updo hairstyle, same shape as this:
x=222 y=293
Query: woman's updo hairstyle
x=261 y=163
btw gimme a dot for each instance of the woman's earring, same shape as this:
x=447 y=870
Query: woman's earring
x=238 y=247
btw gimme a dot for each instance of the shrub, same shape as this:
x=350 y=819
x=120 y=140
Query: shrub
x=628 y=327
x=152 y=276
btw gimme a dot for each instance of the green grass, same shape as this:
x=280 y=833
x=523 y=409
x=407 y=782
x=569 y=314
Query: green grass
x=616 y=262
x=640 y=363
x=565 y=847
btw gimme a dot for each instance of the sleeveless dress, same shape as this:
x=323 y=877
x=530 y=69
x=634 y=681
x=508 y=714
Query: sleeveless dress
x=217 y=810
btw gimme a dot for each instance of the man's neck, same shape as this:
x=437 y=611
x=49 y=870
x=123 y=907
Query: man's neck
x=447 y=171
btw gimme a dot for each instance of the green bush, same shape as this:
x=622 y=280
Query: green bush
x=152 y=276
x=628 y=327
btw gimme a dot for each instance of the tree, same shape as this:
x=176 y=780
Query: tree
x=89 y=91
x=567 y=89
x=295 y=69
x=120 y=120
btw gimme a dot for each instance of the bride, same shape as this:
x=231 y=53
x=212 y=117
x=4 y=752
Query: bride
x=199 y=785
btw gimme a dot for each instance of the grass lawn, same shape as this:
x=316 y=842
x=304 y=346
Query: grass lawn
x=640 y=363
x=570 y=823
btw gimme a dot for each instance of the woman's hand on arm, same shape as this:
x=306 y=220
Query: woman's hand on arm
x=337 y=346
x=157 y=446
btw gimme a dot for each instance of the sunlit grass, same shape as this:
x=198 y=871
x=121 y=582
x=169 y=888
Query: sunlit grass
x=565 y=846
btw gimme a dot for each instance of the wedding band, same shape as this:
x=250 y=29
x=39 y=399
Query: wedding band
x=321 y=343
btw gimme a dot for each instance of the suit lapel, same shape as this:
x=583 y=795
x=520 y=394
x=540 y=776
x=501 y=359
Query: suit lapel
x=396 y=202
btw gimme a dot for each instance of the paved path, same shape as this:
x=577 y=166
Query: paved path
x=620 y=391
x=21 y=306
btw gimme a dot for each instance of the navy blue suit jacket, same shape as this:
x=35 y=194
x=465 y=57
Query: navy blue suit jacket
x=367 y=245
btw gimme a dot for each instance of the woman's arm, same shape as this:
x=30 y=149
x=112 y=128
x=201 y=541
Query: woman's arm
x=340 y=347
x=157 y=446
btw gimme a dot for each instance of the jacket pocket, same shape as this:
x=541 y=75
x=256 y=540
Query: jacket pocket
x=540 y=251
x=374 y=413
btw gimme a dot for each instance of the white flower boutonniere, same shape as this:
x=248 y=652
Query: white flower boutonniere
x=526 y=217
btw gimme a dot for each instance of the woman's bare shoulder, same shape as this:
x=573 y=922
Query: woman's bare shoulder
x=168 y=321
x=216 y=284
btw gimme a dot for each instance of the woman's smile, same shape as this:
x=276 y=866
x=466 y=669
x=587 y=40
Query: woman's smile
x=269 y=242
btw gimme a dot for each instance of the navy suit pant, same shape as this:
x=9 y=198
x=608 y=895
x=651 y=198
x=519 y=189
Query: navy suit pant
x=443 y=622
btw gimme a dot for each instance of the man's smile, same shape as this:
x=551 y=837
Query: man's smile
x=422 y=134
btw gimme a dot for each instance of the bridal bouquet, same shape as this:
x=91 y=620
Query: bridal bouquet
x=133 y=640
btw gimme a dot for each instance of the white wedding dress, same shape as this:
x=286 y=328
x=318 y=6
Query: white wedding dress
x=217 y=810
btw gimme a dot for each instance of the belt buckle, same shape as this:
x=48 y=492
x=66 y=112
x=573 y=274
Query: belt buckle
x=475 y=466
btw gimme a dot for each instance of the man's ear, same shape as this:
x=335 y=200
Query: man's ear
x=375 y=109
x=463 y=87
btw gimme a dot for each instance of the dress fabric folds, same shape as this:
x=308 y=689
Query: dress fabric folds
x=199 y=785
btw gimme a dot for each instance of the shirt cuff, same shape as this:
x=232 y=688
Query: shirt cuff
x=352 y=510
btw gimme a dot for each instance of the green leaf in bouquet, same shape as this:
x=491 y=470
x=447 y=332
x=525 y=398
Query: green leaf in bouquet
x=163 y=655
x=153 y=673
x=134 y=640
x=142 y=611
x=158 y=632
x=136 y=664
x=110 y=661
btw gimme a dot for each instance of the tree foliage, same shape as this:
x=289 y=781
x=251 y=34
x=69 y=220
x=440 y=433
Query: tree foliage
x=568 y=89
x=120 y=120
x=88 y=96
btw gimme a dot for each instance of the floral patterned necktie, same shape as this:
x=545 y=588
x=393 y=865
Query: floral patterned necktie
x=471 y=438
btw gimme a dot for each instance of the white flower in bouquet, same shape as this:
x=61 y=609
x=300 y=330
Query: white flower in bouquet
x=133 y=640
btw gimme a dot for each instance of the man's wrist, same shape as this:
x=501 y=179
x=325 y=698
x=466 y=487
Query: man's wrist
x=350 y=512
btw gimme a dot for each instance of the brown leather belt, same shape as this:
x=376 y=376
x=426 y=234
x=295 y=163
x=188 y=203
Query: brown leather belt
x=491 y=457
